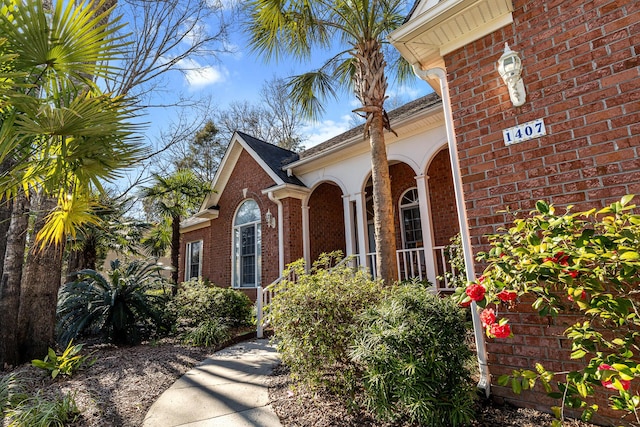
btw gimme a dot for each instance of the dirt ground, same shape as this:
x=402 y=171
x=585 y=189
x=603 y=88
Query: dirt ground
x=125 y=381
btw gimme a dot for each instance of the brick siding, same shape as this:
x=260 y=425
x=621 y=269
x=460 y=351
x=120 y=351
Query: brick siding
x=442 y=199
x=326 y=220
x=216 y=256
x=582 y=76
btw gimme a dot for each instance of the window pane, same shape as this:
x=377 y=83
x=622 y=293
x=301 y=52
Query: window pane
x=248 y=212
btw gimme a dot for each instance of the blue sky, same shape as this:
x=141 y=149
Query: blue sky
x=239 y=76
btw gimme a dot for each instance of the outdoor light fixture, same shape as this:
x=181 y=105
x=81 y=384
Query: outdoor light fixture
x=510 y=68
x=270 y=219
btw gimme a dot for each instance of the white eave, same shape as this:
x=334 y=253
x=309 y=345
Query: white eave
x=193 y=223
x=427 y=119
x=287 y=190
x=449 y=25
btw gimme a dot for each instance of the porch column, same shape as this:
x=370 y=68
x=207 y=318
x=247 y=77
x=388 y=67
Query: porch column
x=348 y=225
x=306 y=244
x=427 y=231
x=361 y=226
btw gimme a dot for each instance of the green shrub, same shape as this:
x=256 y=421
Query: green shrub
x=209 y=333
x=585 y=263
x=67 y=363
x=198 y=301
x=37 y=411
x=314 y=319
x=414 y=356
x=116 y=305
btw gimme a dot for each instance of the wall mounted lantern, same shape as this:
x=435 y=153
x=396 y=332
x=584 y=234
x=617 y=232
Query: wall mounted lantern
x=510 y=68
x=270 y=219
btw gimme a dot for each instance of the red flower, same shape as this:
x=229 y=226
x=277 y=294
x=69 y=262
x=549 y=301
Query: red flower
x=583 y=295
x=488 y=317
x=608 y=383
x=500 y=331
x=481 y=279
x=475 y=291
x=506 y=296
x=465 y=304
x=573 y=273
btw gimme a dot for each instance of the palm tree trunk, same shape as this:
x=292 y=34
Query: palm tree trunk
x=383 y=219
x=175 y=251
x=10 y=283
x=39 y=292
x=371 y=87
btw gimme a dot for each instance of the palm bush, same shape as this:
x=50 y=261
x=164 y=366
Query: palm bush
x=413 y=353
x=116 y=305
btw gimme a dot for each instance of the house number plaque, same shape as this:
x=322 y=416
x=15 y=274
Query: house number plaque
x=524 y=132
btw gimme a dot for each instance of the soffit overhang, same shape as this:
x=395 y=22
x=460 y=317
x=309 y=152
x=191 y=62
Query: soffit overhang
x=446 y=26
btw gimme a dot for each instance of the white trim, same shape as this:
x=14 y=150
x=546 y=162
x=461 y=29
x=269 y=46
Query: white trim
x=227 y=165
x=195 y=225
x=415 y=204
x=187 y=261
x=427 y=227
x=235 y=270
x=306 y=244
x=279 y=221
x=481 y=348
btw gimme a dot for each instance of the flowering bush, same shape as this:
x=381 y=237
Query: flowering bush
x=588 y=262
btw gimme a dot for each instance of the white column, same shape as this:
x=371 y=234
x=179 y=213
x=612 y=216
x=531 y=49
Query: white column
x=306 y=244
x=427 y=230
x=361 y=219
x=349 y=234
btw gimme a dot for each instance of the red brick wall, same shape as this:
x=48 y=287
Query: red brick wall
x=216 y=262
x=292 y=212
x=582 y=76
x=442 y=198
x=326 y=220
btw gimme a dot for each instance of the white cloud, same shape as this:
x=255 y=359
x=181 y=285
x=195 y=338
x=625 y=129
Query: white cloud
x=315 y=133
x=198 y=76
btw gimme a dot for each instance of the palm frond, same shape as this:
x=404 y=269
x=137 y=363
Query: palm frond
x=73 y=43
x=310 y=89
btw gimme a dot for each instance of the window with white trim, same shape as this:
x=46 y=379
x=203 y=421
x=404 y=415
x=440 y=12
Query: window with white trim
x=410 y=219
x=247 y=246
x=193 y=262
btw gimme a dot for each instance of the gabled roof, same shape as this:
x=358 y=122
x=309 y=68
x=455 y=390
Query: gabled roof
x=273 y=156
x=270 y=157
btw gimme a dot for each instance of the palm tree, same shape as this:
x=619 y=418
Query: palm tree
x=171 y=198
x=295 y=27
x=64 y=138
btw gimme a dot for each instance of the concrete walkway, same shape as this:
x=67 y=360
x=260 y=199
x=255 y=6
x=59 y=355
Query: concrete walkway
x=227 y=390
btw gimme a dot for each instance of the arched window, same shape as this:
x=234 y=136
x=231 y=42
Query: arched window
x=410 y=219
x=247 y=246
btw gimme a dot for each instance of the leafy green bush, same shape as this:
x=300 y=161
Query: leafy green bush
x=67 y=363
x=116 y=305
x=198 y=301
x=413 y=352
x=313 y=318
x=209 y=333
x=38 y=411
x=585 y=262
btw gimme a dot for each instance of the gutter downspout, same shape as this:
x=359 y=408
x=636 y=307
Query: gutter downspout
x=280 y=231
x=478 y=330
